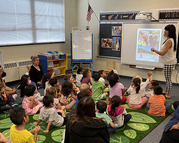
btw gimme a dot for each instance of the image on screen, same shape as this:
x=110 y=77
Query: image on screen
x=146 y=39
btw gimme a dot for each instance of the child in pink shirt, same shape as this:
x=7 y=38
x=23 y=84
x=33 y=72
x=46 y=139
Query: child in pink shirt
x=116 y=88
x=30 y=104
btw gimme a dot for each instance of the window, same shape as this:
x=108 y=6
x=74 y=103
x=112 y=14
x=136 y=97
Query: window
x=31 y=21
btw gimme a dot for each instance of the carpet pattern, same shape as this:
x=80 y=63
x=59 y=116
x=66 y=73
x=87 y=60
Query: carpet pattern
x=137 y=128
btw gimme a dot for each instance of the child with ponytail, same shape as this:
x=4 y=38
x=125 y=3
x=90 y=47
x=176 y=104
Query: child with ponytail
x=117 y=113
x=136 y=98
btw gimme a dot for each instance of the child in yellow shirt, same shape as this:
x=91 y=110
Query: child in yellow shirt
x=18 y=133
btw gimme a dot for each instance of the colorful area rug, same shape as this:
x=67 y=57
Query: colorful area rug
x=137 y=128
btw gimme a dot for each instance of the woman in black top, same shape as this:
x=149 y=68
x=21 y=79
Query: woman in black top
x=35 y=71
x=84 y=127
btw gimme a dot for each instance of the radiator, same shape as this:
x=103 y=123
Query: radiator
x=12 y=71
x=15 y=70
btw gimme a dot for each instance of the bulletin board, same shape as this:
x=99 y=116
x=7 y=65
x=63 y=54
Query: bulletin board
x=110 y=39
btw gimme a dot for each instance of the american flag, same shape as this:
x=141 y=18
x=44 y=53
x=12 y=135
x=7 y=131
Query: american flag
x=90 y=11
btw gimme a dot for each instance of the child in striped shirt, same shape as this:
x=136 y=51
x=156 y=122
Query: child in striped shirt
x=156 y=104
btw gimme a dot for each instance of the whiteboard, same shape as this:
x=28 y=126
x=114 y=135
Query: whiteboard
x=129 y=42
x=82 y=45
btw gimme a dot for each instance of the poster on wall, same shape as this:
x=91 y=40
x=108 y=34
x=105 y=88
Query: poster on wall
x=116 y=44
x=106 y=43
x=116 y=30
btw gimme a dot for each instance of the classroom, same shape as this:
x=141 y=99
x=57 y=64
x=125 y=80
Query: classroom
x=38 y=33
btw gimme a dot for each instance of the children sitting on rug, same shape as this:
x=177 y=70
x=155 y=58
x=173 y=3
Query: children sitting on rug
x=25 y=80
x=85 y=87
x=116 y=88
x=117 y=113
x=30 y=104
x=80 y=95
x=69 y=78
x=102 y=76
x=69 y=72
x=67 y=99
x=46 y=78
x=136 y=98
x=152 y=85
x=97 y=88
x=50 y=115
x=101 y=113
x=156 y=104
x=5 y=101
x=86 y=77
x=79 y=76
x=18 y=133
x=57 y=106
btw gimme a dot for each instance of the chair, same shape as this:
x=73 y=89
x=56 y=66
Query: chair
x=110 y=65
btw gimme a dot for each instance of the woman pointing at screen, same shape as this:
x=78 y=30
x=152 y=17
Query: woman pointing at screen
x=168 y=55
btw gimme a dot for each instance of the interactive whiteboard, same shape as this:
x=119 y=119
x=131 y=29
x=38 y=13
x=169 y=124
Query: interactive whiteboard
x=82 y=45
x=138 y=39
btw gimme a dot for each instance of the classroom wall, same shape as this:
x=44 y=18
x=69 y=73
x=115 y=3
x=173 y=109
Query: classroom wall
x=20 y=53
x=117 y=5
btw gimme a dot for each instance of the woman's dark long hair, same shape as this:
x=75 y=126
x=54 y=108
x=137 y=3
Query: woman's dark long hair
x=85 y=111
x=115 y=102
x=113 y=79
x=23 y=84
x=172 y=34
x=136 y=81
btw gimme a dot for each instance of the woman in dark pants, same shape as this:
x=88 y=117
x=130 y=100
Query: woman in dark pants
x=168 y=55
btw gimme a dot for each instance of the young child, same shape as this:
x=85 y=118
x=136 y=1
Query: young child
x=116 y=88
x=50 y=115
x=9 y=90
x=46 y=78
x=25 y=80
x=86 y=77
x=156 y=104
x=85 y=87
x=102 y=76
x=97 y=88
x=53 y=91
x=101 y=109
x=67 y=99
x=53 y=82
x=152 y=85
x=136 y=98
x=5 y=101
x=118 y=113
x=80 y=95
x=69 y=72
x=30 y=104
x=79 y=76
x=18 y=133
x=70 y=79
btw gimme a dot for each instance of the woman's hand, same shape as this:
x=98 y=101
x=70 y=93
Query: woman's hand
x=176 y=127
x=153 y=49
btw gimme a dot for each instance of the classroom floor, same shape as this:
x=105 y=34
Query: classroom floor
x=155 y=135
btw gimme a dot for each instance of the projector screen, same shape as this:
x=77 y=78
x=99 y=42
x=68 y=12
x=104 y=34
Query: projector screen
x=138 y=39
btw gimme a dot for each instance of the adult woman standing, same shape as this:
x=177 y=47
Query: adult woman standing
x=84 y=126
x=35 y=71
x=168 y=55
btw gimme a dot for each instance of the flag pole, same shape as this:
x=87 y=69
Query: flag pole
x=88 y=21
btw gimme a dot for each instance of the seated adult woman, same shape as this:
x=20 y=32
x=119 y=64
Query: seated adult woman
x=171 y=130
x=83 y=126
x=35 y=71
